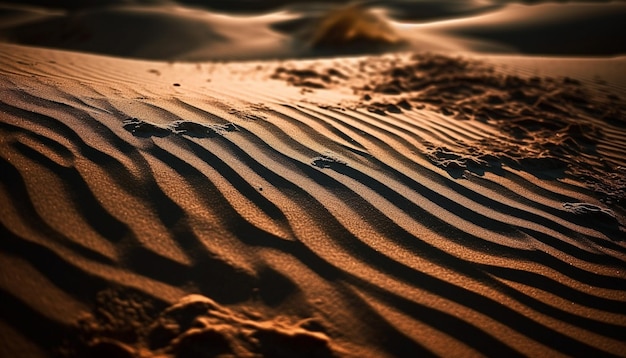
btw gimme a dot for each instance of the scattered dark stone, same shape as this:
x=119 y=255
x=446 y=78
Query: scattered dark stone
x=176 y=85
x=376 y=110
x=303 y=73
x=400 y=72
x=544 y=121
x=447 y=111
x=404 y=104
x=336 y=73
x=392 y=108
x=312 y=84
x=390 y=89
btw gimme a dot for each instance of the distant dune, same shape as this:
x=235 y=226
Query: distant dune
x=588 y=29
x=171 y=32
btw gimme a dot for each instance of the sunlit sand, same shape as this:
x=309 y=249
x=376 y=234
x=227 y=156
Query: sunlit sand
x=403 y=179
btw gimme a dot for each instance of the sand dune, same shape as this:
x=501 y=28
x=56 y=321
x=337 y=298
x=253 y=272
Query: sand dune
x=585 y=29
x=163 y=30
x=314 y=208
x=142 y=31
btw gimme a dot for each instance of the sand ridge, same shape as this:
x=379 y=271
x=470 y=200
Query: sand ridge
x=128 y=185
x=288 y=29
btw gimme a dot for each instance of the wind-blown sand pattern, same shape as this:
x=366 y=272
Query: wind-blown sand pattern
x=384 y=231
x=409 y=204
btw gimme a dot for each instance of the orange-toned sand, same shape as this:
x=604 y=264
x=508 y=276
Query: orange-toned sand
x=128 y=185
x=408 y=204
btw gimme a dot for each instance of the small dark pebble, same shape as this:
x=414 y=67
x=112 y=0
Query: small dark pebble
x=376 y=110
x=447 y=111
x=404 y=104
x=393 y=108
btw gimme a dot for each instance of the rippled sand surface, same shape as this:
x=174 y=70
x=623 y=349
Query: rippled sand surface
x=447 y=202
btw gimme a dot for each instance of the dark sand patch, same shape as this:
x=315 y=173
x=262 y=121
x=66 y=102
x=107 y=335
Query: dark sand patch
x=543 y=122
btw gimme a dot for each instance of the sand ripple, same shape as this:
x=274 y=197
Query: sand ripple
x=302 y=218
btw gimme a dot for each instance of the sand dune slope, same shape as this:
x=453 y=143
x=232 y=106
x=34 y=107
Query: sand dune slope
x=310 y=209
